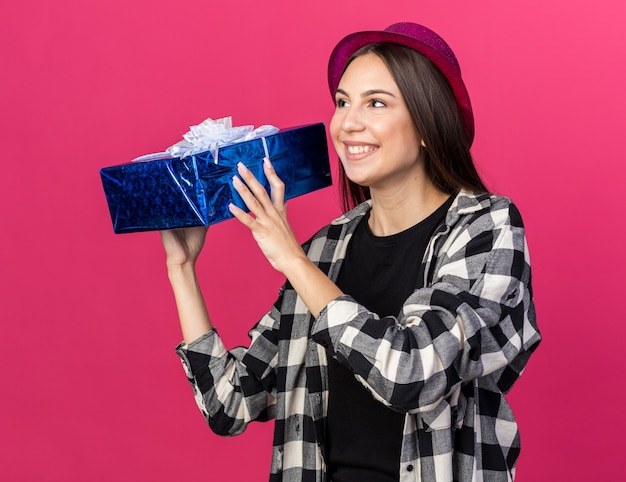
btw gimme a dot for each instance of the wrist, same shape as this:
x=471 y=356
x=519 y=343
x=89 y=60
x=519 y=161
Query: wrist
x=183 y=270
x=295 y=265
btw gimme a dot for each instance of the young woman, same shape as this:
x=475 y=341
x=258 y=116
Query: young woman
x=402 y=323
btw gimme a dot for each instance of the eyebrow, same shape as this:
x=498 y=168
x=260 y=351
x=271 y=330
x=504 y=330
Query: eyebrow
x=367 y=93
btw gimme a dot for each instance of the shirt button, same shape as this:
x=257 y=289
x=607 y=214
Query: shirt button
x=409 y=468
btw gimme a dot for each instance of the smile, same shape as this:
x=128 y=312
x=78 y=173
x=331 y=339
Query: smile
x=360 y=149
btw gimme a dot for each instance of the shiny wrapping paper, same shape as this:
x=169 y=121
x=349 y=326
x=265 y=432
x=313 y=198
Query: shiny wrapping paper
x=195 y=190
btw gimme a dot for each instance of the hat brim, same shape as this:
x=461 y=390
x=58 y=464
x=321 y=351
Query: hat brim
x=450 y=69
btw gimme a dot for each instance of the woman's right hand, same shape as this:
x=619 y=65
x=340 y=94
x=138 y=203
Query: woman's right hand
x=183 y=246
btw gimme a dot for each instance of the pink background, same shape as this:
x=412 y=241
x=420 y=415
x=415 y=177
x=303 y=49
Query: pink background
x=91 y=387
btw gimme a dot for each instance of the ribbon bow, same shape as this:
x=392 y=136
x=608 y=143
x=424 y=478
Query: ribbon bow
x=210 y=135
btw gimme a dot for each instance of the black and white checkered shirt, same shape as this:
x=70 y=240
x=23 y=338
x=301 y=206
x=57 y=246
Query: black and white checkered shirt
x=445 y=361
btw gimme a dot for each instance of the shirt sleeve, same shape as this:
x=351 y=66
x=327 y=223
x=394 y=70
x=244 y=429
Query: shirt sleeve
x=475 y=319
x=233 y=388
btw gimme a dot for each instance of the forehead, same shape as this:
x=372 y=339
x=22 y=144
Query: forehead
x=367 y=72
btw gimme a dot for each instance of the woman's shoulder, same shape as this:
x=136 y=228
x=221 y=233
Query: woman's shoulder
x=469 y=207
x=339 y=227
x=467 y=201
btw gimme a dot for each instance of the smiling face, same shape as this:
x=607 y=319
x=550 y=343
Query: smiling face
x=371 y=128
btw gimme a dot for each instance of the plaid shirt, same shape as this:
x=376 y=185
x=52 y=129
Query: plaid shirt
x=445 y=361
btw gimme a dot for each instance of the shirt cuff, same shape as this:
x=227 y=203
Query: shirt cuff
x=202 y=344
x=202 y=353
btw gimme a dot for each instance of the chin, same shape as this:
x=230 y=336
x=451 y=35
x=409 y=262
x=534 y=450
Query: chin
x=357 y=176
x=359 y=180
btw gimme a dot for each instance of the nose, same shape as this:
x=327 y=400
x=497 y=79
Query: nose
x=352 y=119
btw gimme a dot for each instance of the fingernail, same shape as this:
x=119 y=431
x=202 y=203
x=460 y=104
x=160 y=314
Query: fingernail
x=241 y=166
x=266 y=162
x=237 y=181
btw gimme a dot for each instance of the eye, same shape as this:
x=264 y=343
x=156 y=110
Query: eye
x=377 y=103
x=341 y=102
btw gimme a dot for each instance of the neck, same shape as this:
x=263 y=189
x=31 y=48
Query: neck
x=395 y=210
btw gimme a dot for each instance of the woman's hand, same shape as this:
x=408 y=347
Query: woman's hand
x=268 y=219
x=183 y=246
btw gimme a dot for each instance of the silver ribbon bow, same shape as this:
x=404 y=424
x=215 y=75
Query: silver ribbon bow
x=210 y=135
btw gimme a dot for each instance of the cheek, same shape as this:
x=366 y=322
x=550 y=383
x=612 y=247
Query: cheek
x=408 y=137
x=335 y=125
x=335 y=130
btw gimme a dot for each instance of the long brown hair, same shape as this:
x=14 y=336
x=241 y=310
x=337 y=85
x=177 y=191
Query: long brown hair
x=436 y=118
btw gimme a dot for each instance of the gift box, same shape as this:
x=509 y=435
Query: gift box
x=196 y=189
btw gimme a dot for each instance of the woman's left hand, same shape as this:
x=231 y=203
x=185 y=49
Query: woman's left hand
x=268 y=216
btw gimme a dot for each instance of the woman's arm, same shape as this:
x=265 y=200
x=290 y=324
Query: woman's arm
x=230 y=392
x=270 y=228
x=227 y=392
x=182 y=248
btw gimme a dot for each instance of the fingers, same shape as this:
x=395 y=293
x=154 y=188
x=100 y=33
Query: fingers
x=241 y=215
x=276 y=184
x=255 y=195
x=246 y=193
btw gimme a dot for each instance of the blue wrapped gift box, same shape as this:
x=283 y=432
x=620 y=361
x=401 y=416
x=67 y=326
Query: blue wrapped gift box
x=195 y=190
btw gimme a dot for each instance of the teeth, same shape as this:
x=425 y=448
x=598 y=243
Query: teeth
x=360 y=149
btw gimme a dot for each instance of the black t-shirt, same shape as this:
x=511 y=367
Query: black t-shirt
x=363 y=436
